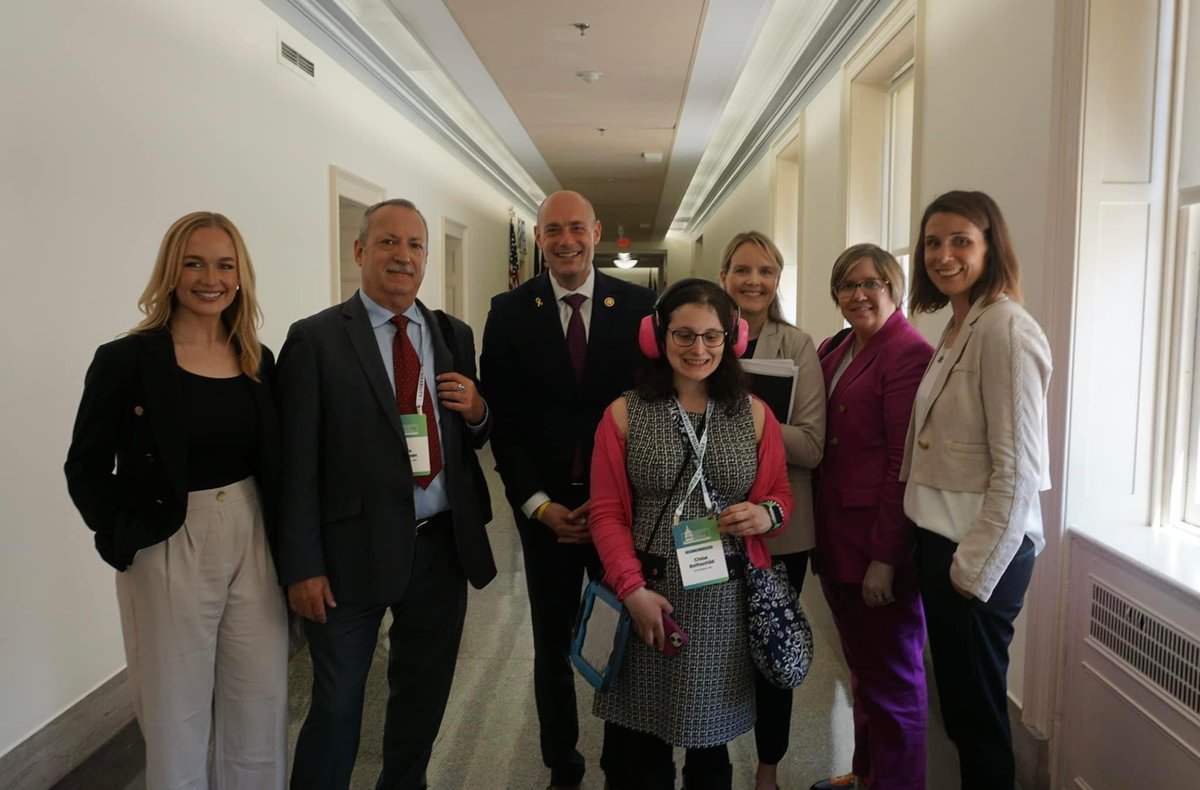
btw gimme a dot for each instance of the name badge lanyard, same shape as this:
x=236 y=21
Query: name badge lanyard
x=699 y=445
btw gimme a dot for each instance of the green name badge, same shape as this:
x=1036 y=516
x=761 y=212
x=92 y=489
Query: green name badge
x=700 y=553
x=416 y=436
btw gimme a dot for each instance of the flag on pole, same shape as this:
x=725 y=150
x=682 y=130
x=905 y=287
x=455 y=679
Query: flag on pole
x=514 y=267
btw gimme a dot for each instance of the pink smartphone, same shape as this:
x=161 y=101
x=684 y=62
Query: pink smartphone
x=676 y=640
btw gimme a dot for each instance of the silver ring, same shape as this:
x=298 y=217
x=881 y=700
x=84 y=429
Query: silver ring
x=460 y=388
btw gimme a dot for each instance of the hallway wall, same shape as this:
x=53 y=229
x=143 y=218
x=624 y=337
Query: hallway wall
x=120 y=117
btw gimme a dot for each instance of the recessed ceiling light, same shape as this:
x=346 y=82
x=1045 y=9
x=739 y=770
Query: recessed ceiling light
x=653 y=157
x=589 y=76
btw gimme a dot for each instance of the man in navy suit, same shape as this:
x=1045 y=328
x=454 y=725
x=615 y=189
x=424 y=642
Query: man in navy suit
x=556 y=351
x=383 y=503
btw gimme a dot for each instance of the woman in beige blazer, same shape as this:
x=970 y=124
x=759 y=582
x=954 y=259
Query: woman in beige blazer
x=975 y=459
x=750 y=271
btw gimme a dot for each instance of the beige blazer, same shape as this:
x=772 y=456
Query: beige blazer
x=984 y=430
x=803 y=435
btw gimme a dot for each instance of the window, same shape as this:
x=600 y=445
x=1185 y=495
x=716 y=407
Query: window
x=880 y=144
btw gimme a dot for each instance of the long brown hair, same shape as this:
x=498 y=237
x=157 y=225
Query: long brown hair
x=241 y=318
x=1001 y=272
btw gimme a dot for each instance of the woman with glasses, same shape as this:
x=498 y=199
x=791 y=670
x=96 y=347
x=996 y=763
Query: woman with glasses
x=975 y=459
x=687 y=460
x=183 y=403
x=750 y=270
x=865 y=544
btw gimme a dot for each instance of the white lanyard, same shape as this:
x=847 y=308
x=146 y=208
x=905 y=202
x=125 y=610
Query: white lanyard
x=698 y=448
x=420 y=387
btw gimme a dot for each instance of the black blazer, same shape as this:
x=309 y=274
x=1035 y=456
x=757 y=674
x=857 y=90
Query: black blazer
x=541 y=413
x=346 y=510
x=131 y=410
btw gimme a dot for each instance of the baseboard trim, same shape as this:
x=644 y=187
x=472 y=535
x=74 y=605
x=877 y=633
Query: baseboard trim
x=1032 y=753
x=55 y=750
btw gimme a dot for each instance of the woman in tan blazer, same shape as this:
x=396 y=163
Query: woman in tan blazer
x=975 y=459
x=750 y=270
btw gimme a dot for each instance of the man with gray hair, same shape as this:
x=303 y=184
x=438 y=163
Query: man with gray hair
x=383 y=502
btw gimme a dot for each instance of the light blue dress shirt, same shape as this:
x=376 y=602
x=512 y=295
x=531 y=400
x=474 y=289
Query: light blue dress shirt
x=432 y=499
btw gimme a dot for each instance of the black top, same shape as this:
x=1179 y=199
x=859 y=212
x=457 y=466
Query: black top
x=753 y=344
x=222 y=430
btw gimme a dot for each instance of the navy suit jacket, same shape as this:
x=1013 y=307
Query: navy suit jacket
x=541 y=413
x=347 y=507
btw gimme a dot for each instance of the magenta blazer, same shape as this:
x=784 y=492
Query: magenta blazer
x=860 y=499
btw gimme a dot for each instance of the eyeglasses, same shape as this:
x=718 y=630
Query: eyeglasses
x=870 y=285
x=686 y=338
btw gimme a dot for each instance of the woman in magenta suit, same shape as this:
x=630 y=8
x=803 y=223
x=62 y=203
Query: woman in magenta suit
x=864 y=549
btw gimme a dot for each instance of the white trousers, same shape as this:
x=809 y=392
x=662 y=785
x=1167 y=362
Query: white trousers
x=205 y=627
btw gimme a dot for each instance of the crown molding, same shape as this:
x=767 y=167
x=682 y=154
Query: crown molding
x=846 y=23
x=343 y=39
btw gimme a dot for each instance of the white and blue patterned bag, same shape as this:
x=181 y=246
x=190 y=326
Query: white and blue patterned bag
x=781 y=640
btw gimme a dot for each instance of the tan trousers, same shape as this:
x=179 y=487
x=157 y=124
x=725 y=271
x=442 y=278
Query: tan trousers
x=205 y=627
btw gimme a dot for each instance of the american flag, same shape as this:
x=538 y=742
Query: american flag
x=514 y=267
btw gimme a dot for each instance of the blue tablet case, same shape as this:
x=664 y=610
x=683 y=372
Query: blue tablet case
x=601 y=633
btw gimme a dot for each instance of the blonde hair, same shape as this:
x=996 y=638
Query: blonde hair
x=768 y=248
x=241 y=318
x=885 y=264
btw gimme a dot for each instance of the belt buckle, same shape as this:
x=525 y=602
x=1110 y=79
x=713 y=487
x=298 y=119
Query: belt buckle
x=423 y=525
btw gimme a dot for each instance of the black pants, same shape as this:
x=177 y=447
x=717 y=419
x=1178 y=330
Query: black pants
x=969 y=641
x=635 y=760
x=423 y=647
x=772 y=728
x=554 y=578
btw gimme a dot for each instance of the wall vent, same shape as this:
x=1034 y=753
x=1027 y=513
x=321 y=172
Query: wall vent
x=289 y=54
x=1158 y=652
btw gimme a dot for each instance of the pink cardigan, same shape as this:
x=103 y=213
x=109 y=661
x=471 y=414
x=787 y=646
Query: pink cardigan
x=611 y=513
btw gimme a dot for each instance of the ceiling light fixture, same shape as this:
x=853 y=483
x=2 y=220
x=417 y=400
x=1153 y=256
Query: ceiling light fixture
x=625 y=261
x=590 y=77
x=622 y=239
x=582 y=27
x=654 y=157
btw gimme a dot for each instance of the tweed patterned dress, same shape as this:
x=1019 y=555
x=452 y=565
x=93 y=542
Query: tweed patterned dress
x=704 y=696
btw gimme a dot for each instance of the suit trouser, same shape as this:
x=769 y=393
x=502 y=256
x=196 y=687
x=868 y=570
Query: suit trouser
x=773 y=727
x=423 y=641
x=969 y=641
x=554 y=578
x=884 y=648
x=205 y=628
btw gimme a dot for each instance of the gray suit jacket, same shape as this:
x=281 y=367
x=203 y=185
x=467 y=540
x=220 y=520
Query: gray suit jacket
x=347 y=505
x=803 y=435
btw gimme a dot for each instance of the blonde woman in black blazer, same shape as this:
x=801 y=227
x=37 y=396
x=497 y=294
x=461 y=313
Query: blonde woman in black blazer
x=183 y=405
x=750 y=270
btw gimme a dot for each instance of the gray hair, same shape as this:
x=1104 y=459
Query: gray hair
x=365 y=224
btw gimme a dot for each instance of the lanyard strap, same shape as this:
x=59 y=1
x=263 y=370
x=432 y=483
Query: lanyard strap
x=699 y=445
x=420 y=385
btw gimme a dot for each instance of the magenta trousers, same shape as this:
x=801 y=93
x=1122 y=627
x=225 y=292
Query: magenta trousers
x=883 y=647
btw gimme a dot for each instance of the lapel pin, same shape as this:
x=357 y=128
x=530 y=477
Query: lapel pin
x=538 y=301
x=609 y=301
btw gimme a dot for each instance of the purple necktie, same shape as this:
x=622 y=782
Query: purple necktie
x=577 y=346
x=576 y=336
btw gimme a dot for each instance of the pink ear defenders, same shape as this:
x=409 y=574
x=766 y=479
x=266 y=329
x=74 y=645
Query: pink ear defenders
x=650 y=332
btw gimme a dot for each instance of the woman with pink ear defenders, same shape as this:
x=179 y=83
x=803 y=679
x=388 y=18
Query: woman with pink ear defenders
x=688 y=457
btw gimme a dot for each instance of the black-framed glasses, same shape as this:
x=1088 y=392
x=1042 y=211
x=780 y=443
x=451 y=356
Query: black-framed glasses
x=686 y=338
x=870 y=285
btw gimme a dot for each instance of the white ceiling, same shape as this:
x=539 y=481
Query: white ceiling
x=702 y=82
